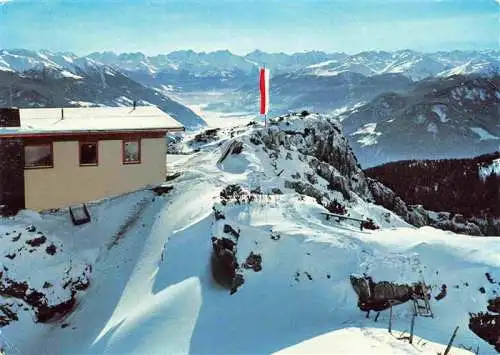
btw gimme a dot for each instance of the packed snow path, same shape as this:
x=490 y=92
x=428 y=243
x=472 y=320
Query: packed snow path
x=152 y=293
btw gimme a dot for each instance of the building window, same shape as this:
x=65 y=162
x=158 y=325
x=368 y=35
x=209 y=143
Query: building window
x=89 y=153
x=131 y=151
x=38 y=156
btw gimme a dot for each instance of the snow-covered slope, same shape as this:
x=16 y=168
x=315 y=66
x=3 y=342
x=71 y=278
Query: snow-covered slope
x=473 y=66
x=367 y=341
x=152 y=291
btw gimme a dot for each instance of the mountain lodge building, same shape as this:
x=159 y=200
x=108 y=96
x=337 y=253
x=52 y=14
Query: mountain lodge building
x=57 y=157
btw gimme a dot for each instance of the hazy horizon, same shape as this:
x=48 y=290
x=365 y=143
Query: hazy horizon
x=162 y=26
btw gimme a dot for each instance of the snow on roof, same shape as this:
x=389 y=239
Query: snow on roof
x=90 y=119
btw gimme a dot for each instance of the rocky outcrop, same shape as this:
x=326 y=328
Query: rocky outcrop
x=494 y=305
x=44 y=311
x=207 y=136
x=7 y=315
x=304 y=188
x=224 y=264
x=419 y=216
x=254 y=262
x=162 y=189
x=487 y=327
x=442 y=293
x=380 y=295
x=223 y=261
x=235 y=194
x=237 y=148
x=384 y=196
x=321 y=145
x=320 y=140
x=30 y=249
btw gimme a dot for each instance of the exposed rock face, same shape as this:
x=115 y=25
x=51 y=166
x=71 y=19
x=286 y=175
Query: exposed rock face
x=44 y=311
x=234 y=193
x=337 y=208
x=320 y=143
x=237 y=148
x=417 y=215
x=20 y=291
x=35 y=242
x=320 y=139
x=442 y=293
x=207 y=136
x=7 y=314
x=487 y=327
x=230 y=230
x=386 y=197
x=223 y=262
x=494 y=305
x=378 y=296
x=254 y=262
x=162 y=189
x=467 y=228
x=304 y=188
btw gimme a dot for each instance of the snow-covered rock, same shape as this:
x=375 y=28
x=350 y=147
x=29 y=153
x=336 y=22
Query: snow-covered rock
x=38 y=272
x=488 y=169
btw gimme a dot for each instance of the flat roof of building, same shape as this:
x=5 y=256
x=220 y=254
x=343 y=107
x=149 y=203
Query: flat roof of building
x=54 y=121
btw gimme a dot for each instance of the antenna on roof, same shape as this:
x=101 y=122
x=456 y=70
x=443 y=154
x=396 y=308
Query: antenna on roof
x=62 y=114
x=134 y=105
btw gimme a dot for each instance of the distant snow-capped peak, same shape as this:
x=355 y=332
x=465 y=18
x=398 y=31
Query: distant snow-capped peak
x=223 y=63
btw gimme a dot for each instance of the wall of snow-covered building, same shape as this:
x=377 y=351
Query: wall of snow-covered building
x=68 y=183
x=11 y=165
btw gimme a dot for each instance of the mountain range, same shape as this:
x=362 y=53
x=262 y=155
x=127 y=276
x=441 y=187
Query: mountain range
x=436 y=118
x=229 y=69
x=56 y=81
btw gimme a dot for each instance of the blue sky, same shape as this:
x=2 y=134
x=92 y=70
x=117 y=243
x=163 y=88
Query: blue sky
x=158 y=26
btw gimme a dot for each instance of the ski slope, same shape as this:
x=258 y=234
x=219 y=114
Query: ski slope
x=152 y=292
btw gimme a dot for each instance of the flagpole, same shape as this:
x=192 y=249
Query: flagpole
x=267 y=108
x=264 y=92
x=265 y=114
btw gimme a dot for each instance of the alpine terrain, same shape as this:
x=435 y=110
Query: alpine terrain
x=235 y=255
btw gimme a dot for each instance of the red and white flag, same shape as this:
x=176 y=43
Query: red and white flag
x=264 y=91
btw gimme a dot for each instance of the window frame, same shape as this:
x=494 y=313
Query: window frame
x=50 y=144
x=80 y=143
x=139 y=142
